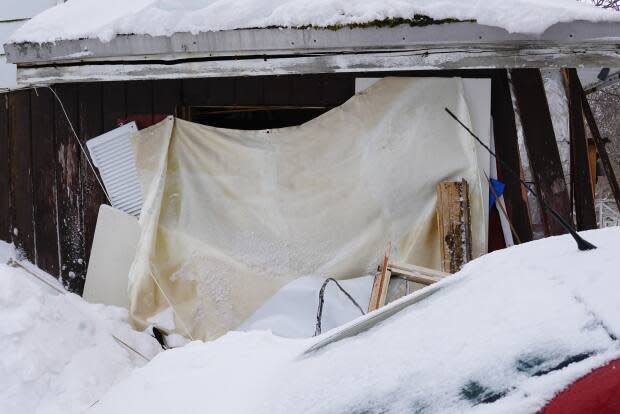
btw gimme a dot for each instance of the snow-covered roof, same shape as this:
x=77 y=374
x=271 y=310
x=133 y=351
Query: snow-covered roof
x=103 y=20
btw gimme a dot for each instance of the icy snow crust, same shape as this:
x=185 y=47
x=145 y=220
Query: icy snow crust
x=78 y=19
x=57 y=354
x=498 y=338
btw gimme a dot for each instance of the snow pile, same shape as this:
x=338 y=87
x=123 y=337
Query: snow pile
x=503 y=336
x=291 y=313
x=57 y=353
x=7 y=251
x=78 y=19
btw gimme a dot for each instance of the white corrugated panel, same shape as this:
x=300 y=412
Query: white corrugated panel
x=113 y=155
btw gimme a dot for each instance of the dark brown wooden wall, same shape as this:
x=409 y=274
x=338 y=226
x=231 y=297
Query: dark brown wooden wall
x=49 y=196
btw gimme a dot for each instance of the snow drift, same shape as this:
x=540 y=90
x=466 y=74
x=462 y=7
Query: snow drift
x=57 y=352
x=506 y=334
x=503 y=336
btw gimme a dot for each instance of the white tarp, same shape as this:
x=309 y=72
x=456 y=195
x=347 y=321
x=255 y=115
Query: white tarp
x=231 y=216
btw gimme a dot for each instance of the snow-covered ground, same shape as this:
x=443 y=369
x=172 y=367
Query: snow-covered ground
x=498 y=338
x=78 y=19
x=503 y=336
x=291 y=313
x=57 y=352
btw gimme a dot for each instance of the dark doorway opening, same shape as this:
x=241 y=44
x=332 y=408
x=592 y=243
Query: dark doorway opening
x=253 y=117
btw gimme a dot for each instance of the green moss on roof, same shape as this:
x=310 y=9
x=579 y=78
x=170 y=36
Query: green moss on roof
x=418 y=20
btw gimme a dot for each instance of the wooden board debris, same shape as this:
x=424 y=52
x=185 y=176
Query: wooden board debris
x=453 y=220
x=581 y=182
x=397 y=268
x=541 y=146
x=507 y=149
x=382 y=282
x=600 y=148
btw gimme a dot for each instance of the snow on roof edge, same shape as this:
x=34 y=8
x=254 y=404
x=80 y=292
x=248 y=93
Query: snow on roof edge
x=108 y=19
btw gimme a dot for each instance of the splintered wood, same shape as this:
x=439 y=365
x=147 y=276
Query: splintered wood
x=406 y=271
x=454 y=225
x=382 y=282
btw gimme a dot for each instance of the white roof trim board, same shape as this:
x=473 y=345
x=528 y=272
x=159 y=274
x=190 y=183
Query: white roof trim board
x=94 y=19
x=113 y=155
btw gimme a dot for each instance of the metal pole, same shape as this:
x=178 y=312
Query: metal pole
x=582 y=244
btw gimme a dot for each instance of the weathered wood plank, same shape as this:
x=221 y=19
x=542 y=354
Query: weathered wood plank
x=5 y=183
x=507 y=148
x=541 y=146
x=380 y=287
x=600 y=148
x=91 y=125
x=69 y=190
x=582 y=183
x=249 y=91
x=277 y=90
x=397 y=267
x=307 y=90
x=221 y=92
x=139 y=98
x=113 y=103
x=21 y=173
x=166 y=97
x=194 y=91
x=453 y=220
x=44 y=180
x=414 y=277
x=337 y=89
x=592 y=160
x=430 y=59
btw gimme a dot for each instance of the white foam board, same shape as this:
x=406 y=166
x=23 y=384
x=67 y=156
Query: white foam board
x=113 y=251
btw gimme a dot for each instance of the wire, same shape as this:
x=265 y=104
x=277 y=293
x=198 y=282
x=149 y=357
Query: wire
x=582 y=244
x=75 y=135
x=16 y=263
x=171 y=305
x=319 y=313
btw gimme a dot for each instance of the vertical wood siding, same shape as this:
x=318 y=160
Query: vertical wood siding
x=69 y=189
x=507 y=148
x=541 y=146
x=20 y=154
x=49 y=196
x=5 y=162
x=44 y=180
x=91 y=125
x=47 y=189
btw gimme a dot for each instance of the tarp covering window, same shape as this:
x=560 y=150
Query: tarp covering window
x=231 y=216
